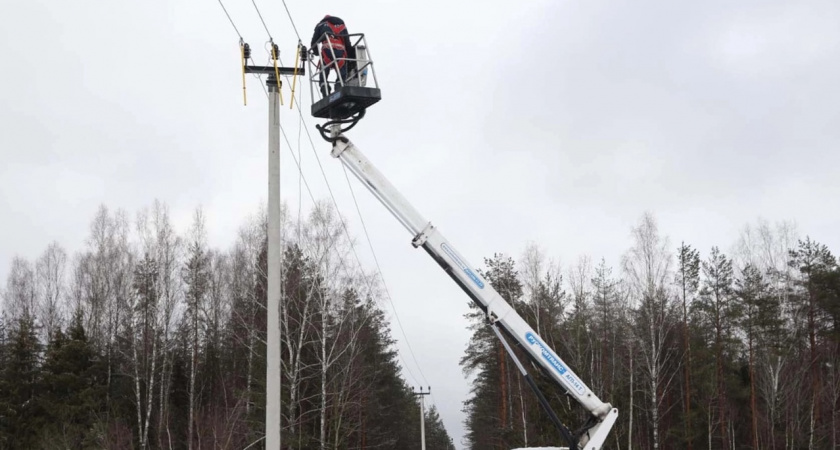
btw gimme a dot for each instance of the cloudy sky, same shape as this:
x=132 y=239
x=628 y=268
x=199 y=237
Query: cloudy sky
x=556 y=122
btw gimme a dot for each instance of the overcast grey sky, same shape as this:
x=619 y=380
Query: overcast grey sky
x=557 y=122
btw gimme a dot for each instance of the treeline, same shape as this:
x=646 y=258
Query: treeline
x=149 y=338
x=735 y=349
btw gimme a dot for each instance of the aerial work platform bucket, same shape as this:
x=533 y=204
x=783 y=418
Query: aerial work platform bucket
x=339 y=97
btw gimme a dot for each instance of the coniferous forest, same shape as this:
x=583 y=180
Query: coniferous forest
x=734 y=347
x=148 y=338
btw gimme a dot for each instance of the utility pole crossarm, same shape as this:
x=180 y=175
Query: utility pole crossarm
x=270 y=70
x=497 y=309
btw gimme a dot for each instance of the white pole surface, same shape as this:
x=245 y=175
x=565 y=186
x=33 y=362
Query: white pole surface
x=422 y=424
x=275 y=255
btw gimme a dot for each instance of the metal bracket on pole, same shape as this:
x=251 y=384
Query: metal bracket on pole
x=339 y=146
x=271 y=70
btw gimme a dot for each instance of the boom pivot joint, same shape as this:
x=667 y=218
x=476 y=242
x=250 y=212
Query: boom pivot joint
x=422 y=236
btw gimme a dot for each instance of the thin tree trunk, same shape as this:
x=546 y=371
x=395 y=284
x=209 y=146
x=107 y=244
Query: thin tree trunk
x=323 y=431
x=193 y=363
x=522 y=410
x=295 y=353
x=753 y=408
x=163 y=394
x=503 y=405
x=655 y=413
x=137 y=396
x=150 y=391
x=720 y=382
x=815 y=382
x=811 y=424
x=630 y=414
x=654 y=394
x=710 y=428
x=108 y=383
x=687 y=344
x=250 y=375
x=731 y=429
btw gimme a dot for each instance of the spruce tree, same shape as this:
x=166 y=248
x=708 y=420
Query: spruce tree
x=20 y=379
x=436 y=435
x=72 y=388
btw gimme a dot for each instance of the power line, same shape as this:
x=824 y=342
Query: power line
x=379 y=270
x=350 y=241
x=261 y=19
x=332 y=196
x=231 y=20
x=344 y=225
x=290 y=20
x=376 y=260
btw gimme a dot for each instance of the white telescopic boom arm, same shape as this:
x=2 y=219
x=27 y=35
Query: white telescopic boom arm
x=478 y=289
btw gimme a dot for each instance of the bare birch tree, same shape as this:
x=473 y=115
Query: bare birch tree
x=20 y=297
x=50 y=269
x=195 y=275
x=647 y=267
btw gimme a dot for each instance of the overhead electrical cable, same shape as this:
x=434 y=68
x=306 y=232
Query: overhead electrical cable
x=262 y=20
x=344 y=226
x=302 y=179
x=231 y=20
x=347 y=233
x=290 y=20
x=379 y=269
x=387 y=292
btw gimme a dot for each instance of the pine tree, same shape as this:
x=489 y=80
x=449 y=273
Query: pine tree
x=688 y=282
x=721 y=312
x=818 y=298
x=490 y=402
x=605 y=304
x=753 y=292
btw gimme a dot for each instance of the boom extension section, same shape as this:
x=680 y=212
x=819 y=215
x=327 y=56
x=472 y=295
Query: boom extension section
x=498 y=311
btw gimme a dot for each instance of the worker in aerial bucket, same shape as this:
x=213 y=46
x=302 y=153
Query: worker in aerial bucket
x=336 y=44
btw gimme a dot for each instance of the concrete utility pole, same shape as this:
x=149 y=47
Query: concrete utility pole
x=275 y=267
x=422 y=416
x=274 y=273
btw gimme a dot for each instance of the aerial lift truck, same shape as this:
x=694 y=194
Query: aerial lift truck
x=344 y=104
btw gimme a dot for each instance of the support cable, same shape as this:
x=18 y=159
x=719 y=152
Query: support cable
x=352 y=246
